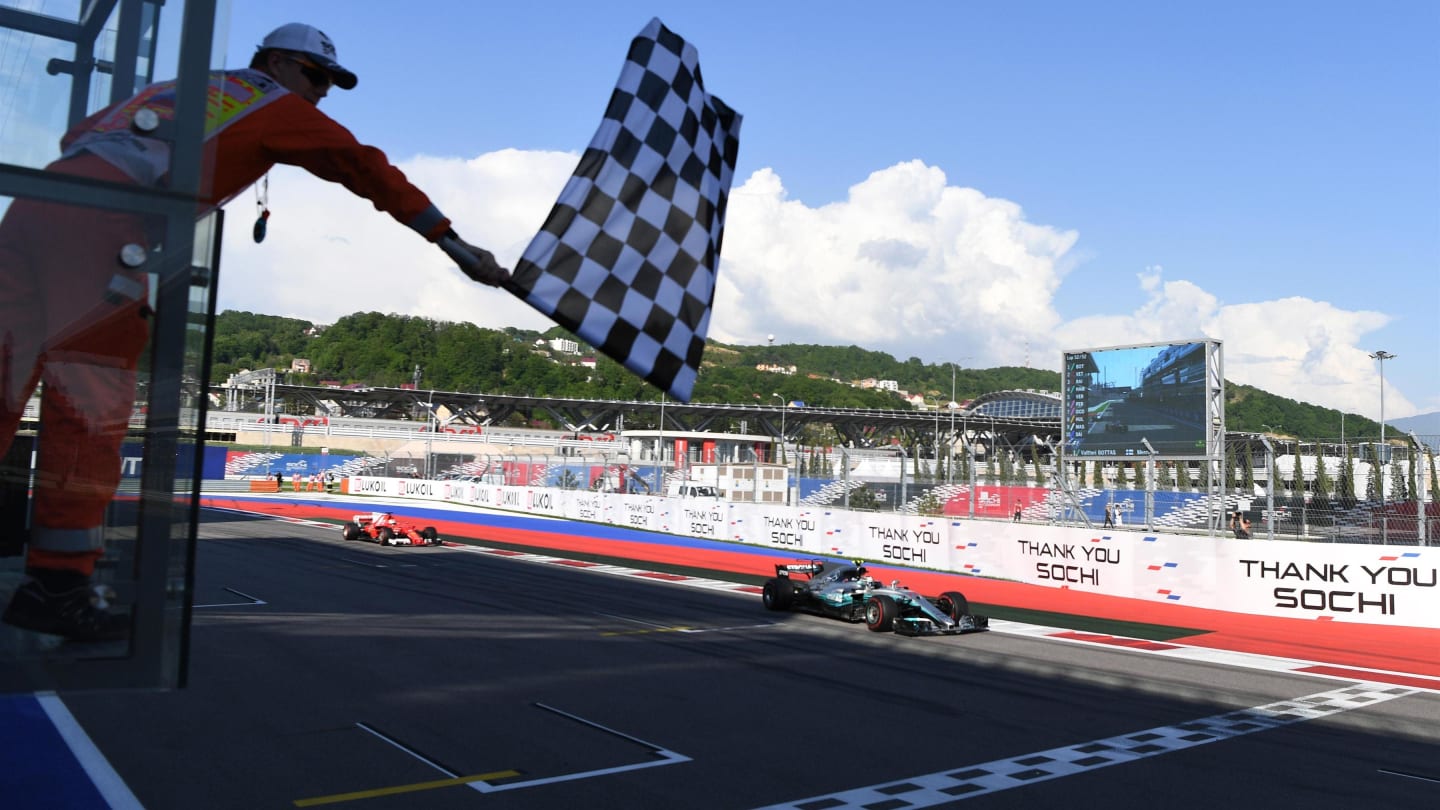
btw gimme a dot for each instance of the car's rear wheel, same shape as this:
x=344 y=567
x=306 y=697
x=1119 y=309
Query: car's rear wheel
x=954 y=604
x=383 y=535
x=778 y=593
x=350 y=531
x=880 y=613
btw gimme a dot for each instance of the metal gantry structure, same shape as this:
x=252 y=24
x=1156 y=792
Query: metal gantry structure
x=855 y=427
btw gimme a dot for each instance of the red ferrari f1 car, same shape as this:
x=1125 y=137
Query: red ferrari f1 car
x=385 y=529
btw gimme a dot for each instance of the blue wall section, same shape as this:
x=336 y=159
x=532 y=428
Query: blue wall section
x=212 y=466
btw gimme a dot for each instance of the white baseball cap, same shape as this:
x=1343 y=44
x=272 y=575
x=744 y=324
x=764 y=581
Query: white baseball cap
x=312 y=42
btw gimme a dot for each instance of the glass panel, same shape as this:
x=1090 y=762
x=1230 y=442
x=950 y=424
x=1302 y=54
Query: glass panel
x=110 y=331
x=79 y=454
x=48 y=80
x=34 y=106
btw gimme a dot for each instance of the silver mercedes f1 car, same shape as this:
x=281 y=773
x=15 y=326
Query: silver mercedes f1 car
x=846 y=591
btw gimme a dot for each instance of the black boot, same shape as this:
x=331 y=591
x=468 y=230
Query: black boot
x=15 y=495
x=64 y=603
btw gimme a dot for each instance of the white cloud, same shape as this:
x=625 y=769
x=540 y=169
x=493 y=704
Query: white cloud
x=329 y=253
x=906 y=264
x=1294 y=347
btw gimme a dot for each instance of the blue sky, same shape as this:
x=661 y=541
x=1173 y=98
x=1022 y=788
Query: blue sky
x=983 y=183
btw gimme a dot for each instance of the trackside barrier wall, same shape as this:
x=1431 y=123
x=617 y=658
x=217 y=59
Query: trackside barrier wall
x=1371 y=584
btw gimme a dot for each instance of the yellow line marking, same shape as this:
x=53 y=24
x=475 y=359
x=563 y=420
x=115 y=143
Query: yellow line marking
x=391 y=791
x=650 y=630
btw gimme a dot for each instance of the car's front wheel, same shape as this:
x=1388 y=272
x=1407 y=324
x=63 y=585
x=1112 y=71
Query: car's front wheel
x=778 y=593
x=430 y=536
x=383 y=535
x=954 y=604
x=880 y=613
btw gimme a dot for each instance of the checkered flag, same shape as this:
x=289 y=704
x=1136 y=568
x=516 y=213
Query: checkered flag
x=627 y=258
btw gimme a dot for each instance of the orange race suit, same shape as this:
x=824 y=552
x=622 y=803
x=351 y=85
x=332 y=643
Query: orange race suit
x=73 y=317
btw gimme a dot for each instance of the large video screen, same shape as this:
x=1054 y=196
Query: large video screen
x=1116 y=397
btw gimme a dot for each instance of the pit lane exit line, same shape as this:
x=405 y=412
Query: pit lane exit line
x=985 y=778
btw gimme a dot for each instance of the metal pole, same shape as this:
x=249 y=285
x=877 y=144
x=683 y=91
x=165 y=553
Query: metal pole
x=1269 y=487
x=1149 y=485
x=782 y=426
x=970 y=454
x=1382 y=456
x=780 y=446
x=1417 y=452
x=937 y=438
x=755 y=481
x=950 y=450
x=786 y=469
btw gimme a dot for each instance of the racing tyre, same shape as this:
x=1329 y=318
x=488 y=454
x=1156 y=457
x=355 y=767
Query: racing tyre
x=954 y=604
x=429 y=535
x=778 y=593
x=350 y=531
x=880 y=613
x=383 y=535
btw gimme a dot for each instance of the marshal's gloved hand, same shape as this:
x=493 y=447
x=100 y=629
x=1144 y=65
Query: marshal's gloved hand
x=475 y=262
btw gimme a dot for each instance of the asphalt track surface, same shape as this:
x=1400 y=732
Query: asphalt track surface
x=343 y=674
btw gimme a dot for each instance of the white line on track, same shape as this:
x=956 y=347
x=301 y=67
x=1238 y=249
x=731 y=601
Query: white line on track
x=254 y=600
x=116 y=793
x=407 y=749
x=1404 y=775
x=664 y=757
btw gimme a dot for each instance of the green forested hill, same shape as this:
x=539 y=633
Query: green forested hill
x=384 y=350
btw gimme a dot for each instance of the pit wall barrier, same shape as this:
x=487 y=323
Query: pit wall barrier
x=1369 y=584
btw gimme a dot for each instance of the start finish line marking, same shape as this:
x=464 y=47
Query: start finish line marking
x=1003 y=774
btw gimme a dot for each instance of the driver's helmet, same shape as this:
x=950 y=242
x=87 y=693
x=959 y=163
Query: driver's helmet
x=861 y=572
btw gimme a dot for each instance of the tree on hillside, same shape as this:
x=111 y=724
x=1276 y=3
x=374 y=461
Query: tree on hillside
x=1035 y=464
x=1399 y=490
x=864 y=498
x=1413 y=490
x=1182 y=476
x=1434 y=481
x=1277 y=484
x=1347 y=479
x=1323 y=485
